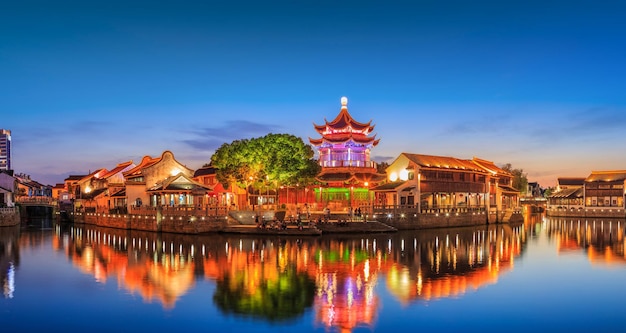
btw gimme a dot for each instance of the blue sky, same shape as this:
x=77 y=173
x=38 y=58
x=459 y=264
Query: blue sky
x=538 y=84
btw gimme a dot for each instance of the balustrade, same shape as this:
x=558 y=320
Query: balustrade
x=342 y=163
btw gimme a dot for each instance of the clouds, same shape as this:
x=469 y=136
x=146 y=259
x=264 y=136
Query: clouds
x=211 y=138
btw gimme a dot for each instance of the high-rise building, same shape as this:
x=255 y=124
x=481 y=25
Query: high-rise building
x=5 y=149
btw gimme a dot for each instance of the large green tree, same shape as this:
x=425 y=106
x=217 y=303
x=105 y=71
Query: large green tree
x=265 y=162
x=520 y=181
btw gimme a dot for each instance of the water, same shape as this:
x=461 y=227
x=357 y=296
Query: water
x=543 y=275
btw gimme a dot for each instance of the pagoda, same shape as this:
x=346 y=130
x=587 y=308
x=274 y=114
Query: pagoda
x=344 y=155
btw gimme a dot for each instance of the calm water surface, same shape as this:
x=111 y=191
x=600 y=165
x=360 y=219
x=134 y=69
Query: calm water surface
x=543 y=275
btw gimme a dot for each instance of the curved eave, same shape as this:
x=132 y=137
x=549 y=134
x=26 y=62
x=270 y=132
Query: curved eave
x=343 y=120
x=316 y=142
x=363 y=140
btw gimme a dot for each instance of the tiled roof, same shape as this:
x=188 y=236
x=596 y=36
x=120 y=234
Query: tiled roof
x=349 y=176
x=571 y=193
x=345 y=137
x=571 y=181
x=490 y=166
x=508 y=189
x=93 y=193
x=179 y=182
x=119 y=194
x=337 y=176
x=117 y=169
x=606 y=176
x=388 y=186
x=204 y=171
x=343 y=120
x=444 y=162
x=145 y=162
x=75 y=177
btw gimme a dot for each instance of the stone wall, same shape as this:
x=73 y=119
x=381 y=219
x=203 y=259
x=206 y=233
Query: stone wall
x=424 y=221
x=179 y=224
x=9 y=216
x=588 y=212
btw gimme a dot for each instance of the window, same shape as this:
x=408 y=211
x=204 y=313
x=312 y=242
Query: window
x=445 y=175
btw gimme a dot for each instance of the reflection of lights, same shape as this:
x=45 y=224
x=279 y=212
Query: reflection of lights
x=9 y=285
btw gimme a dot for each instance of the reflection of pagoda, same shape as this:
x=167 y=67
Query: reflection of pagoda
x=344 y=155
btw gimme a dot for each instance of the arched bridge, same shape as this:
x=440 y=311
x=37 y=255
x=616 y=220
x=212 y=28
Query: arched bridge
x=536 y=205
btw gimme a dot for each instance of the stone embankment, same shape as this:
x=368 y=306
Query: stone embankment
x=9 y=216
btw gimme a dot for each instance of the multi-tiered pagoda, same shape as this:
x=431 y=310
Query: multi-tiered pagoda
x=344 y=155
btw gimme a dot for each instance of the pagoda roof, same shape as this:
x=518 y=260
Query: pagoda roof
x=344 y=120
x=337 y=138
x=350 y=176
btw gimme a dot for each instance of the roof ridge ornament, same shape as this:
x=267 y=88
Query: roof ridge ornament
x=344 y=102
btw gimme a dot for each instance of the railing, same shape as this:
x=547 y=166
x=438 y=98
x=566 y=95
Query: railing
x=36 y=200
x=348 y=164
x=396 y=210
x=181 y=210
x=8 y=210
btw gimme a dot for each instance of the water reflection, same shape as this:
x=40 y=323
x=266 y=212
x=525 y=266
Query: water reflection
x=277 y=279
x=601 y=239
x=9 y=258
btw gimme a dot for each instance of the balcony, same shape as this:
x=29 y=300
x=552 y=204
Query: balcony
x=348 y=164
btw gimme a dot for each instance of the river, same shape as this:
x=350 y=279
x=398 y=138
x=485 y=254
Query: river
x=546 y=274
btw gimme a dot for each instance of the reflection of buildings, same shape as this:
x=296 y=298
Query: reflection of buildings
x=142 y=264
x=449 y=262
x=343 y=272
x=601 y=239
x=9 y=258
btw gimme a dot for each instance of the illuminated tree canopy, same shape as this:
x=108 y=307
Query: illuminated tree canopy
x=265 y=162
x=275 y=300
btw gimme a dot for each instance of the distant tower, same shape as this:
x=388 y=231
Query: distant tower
x=344 y=155
x=5 y=149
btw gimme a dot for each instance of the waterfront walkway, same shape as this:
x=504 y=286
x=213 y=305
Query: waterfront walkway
x=313 y=229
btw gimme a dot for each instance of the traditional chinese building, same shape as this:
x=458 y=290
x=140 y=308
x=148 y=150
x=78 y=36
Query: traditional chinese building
x=344 y=151
x=601 y=194
x=424 y=185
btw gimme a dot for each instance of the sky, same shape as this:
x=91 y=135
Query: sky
x=538 y=84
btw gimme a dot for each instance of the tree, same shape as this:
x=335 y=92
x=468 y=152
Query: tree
x=265 y=162
x=548 y=192
x=520 y=181
x=381 y=167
